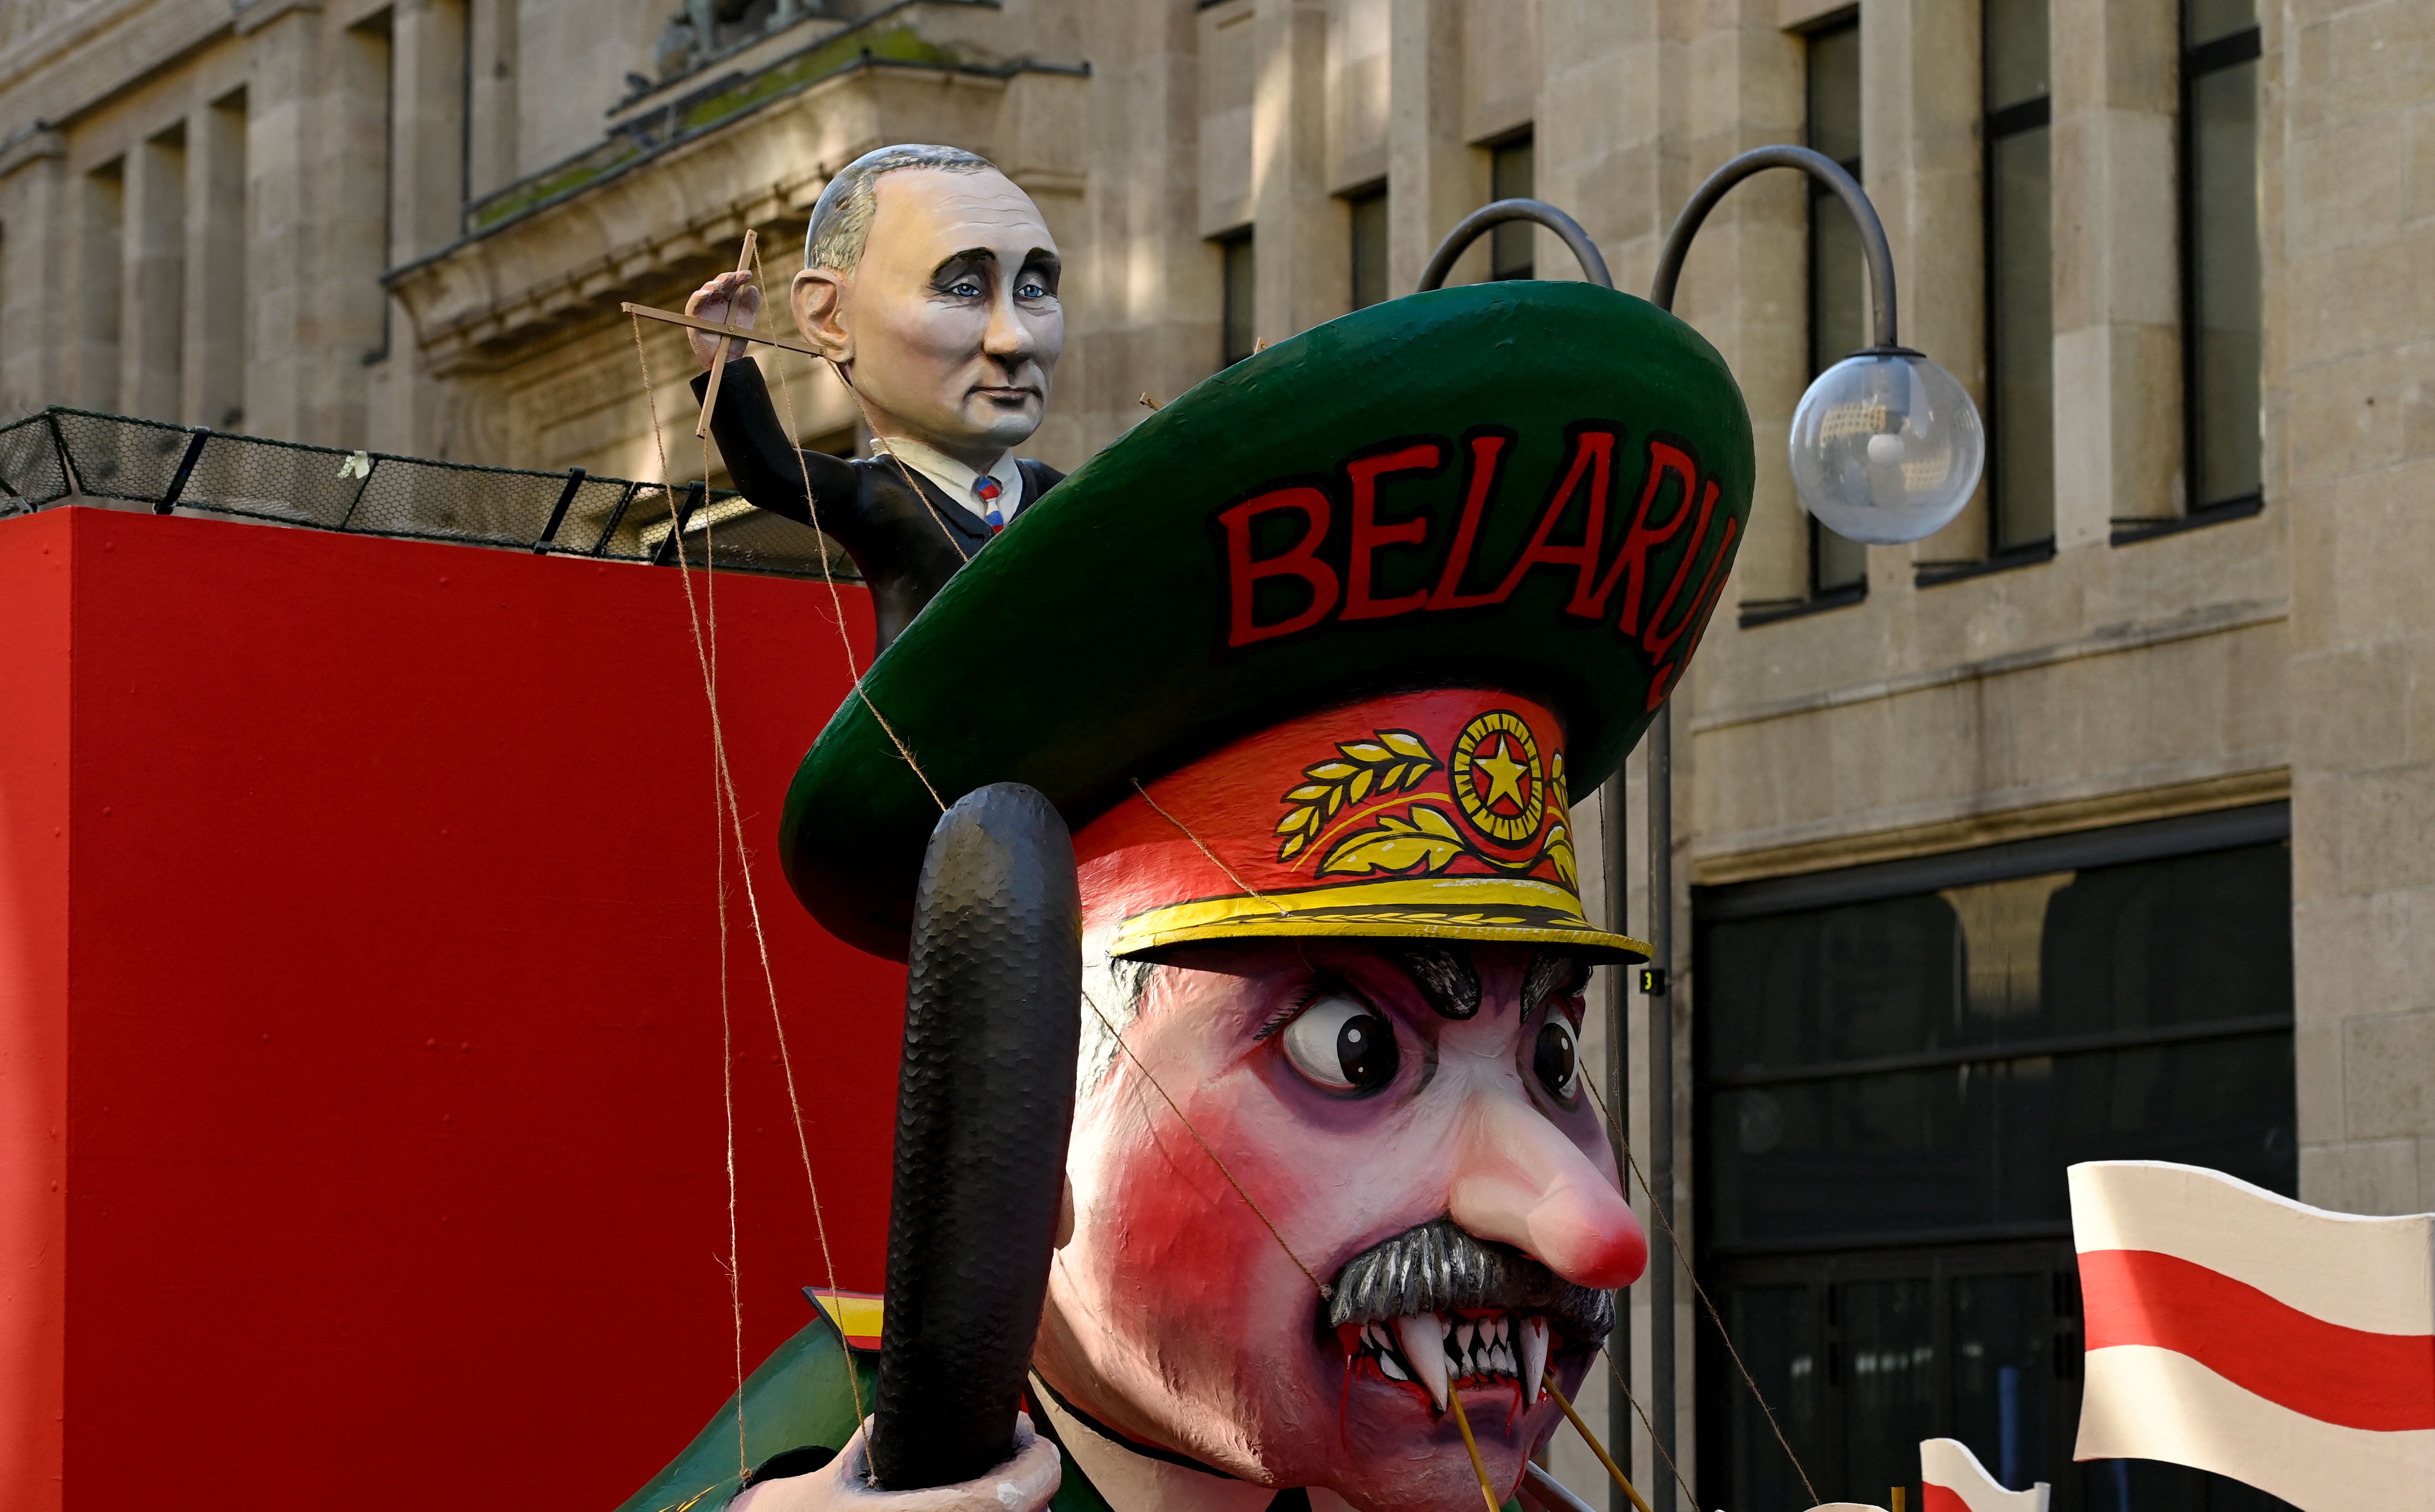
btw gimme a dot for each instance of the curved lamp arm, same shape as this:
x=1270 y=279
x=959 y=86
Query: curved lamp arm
x=1819 y=166
x=1441 y=260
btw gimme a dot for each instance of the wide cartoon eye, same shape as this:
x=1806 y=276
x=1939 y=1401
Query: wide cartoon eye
x=1557 y=1058
x=1343 y=1046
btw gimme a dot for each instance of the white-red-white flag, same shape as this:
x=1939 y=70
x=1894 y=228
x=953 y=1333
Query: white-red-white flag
x=2245 y=1333
x=1952 y=1480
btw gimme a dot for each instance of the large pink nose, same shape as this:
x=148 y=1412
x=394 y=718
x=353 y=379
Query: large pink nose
x=1518 y=1180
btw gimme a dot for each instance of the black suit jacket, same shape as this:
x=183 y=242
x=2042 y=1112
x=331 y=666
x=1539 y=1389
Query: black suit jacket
x=906 y=536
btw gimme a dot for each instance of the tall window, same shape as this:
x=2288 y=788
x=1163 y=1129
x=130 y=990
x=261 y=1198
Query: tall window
x=1368 y=207
x=102 y=258
x=2020 y=276
x=221 y=400
x=1511 y=176
x=2221 y=345
x=1894 y=1065
x=1837 y=281
x=1239 y=324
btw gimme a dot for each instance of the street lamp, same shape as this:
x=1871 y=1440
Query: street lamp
x=1886 y=448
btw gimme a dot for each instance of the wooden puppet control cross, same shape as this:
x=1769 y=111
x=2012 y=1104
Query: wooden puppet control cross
x=725 y=332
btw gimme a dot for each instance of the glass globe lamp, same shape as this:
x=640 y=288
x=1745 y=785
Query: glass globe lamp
x=1885 y=447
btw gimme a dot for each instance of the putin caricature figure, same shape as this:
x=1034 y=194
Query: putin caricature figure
x=930 y=281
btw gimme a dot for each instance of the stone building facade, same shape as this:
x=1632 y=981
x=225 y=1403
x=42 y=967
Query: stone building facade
x=2183 y=254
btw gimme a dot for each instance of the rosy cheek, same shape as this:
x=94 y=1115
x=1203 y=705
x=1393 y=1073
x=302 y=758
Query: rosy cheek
x=1187 y=1238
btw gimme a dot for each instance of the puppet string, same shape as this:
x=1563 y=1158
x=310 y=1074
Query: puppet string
x=786 y=1057
x=1642 y=1413
x=828 y=575
x=1700 y=1291
x=718 y=847
x=1283 y=912
x=1325 y=1291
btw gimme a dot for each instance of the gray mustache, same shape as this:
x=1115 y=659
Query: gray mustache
x=1439 y=1268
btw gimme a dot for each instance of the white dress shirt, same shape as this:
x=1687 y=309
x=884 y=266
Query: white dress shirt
x=956 y=480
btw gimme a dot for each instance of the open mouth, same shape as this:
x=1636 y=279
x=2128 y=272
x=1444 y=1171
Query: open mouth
x=1437 y=1309
x=1440 y=1351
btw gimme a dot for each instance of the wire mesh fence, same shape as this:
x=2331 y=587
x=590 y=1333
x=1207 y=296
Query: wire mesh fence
x=62 y=454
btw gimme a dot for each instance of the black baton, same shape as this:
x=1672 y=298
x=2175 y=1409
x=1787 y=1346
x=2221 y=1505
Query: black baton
x=992 y=1024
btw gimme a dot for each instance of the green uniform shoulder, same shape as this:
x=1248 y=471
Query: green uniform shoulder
x=799 y=1398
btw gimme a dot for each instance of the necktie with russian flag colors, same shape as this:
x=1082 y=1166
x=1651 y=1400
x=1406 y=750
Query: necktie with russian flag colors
x=1952 y=1480
x=986 y=489
x=2235 y=1330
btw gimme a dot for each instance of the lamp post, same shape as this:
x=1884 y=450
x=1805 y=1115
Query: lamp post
x=1885 y=448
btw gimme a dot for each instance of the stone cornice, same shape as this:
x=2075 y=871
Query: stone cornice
x=485 y=302
x=645 y=227
x=85 y=57
x=250 y=16
x=31 y=145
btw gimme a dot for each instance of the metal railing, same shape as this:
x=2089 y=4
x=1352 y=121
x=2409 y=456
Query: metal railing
x=64 y=456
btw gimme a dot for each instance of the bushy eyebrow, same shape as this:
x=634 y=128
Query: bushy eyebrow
x=1040 y=257
x=1445 y=978
x=1552 y=973
x=968 y=256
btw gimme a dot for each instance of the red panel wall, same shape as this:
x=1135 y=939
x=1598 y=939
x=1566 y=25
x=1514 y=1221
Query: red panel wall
x=394 y=1137
x=34 y=599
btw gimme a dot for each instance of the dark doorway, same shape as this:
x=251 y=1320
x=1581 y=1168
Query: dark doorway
x=1894 y=1065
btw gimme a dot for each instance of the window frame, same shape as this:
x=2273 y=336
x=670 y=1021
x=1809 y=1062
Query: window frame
x=1997 y=126
x=1524 y=233
x=1823 y=1266
x=2196 y=61
x=1355 y=200
x=1241 y=240
x=1821 y=595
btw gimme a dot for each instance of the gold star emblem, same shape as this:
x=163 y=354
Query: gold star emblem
x=1494 y=752
x=1504 y=775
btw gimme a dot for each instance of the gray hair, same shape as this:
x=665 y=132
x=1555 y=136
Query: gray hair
x=841 y=220
x=1125 y=986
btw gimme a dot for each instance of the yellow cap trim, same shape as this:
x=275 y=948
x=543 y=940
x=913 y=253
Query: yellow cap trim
x=1521 y=909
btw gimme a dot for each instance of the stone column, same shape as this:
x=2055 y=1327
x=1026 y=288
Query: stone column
x=2117 y=378
x=429 y=160
x=213 y=383
x=492 y=126
x=153 y=321
x=317 y=142
x=1919 y=97
x=1301 y=236
x=1745 y=284
x=33 y=266
x=2349 y=229
x=1433 y=177
x=430 y=150
x=282 y=69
